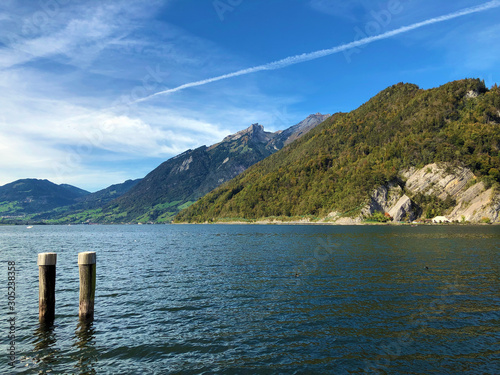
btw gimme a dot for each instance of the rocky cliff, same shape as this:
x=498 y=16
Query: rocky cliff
x=434 y=190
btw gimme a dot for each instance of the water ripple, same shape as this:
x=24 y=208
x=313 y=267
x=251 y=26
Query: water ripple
x=261 y=299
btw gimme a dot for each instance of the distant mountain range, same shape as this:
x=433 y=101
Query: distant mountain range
x=172 y=186
x=88 y=202
x=41 y=199
x=29 y=196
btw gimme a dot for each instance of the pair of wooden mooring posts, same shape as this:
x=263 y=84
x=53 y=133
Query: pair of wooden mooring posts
x=47 y=285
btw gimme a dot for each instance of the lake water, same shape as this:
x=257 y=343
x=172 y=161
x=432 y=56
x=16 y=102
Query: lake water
x=236 y=299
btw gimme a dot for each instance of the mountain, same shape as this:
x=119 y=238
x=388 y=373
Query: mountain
x=104 y=196
x=75 y=190
x=88 y=203
x=295 y=132
x=180 y=181
x=331 y=173
x=28 y=196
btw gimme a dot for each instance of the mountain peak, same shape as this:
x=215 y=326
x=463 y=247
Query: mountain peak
x=254 y=131
x=289 y=135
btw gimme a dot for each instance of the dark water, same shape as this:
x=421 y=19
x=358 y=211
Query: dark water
x=259 y=300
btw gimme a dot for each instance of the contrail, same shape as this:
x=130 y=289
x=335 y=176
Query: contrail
x=292 y=60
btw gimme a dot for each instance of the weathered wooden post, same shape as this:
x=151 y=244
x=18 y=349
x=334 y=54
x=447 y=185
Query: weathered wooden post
x=47 y=287
x=87 y=268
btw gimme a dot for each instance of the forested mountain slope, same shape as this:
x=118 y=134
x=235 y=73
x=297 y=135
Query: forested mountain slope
x=337 y=165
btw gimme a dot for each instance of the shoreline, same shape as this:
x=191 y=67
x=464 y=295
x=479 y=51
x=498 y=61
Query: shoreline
x=271 y=224
x=265 y=222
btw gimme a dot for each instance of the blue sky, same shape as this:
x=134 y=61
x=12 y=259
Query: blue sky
x=74 y=74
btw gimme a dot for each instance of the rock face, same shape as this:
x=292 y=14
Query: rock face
x=475 y=204
x=471 y=201
x=383 y=199
x=391 y=199
x=441 y=181
x=255 y=132
x=404 y=209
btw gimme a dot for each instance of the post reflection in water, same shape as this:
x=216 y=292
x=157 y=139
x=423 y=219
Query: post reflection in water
x=46 y=352
x=86 y=354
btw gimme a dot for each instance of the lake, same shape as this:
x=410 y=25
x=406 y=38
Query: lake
x=251 y=299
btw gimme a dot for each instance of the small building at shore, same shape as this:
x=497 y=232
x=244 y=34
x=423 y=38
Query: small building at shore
x=440 y=219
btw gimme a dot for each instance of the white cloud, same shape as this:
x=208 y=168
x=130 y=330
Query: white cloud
x=23 y=158
x=75 y=31
x=59 y=123
x=65 y=42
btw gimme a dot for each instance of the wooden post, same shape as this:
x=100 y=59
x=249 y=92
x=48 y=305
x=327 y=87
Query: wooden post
x=87 y=268
x=47 y=287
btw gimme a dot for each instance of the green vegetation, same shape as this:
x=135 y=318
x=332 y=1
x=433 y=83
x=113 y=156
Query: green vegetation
x=432 y=205
x=31 y=196
x=378 y=217
x=10 y=207
x=336 y=165
x=80 y=217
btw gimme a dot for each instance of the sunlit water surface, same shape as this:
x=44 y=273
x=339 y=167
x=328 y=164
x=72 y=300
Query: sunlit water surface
x=231 y=299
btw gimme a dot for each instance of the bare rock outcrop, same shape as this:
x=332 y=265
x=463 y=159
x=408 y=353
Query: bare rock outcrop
x=382 y=199
x=473 y=202
x=439 y=180
x=476 y=204
x=404 y=209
